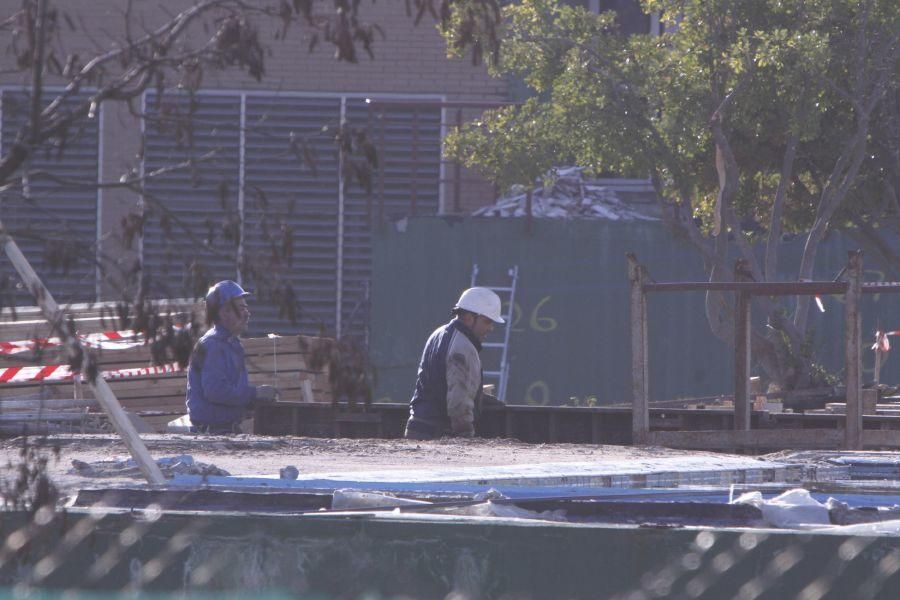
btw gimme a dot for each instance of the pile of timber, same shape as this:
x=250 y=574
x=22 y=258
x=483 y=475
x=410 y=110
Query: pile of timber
x=27 y=322
x=284 y=362
x=287 y=362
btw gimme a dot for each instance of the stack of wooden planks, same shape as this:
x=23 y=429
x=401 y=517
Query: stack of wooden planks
x=27 y=322
x=286 y=362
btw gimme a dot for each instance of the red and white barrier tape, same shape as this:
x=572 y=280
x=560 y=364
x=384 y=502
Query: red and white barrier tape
x=62 y=373
x=106 y=340
x=140 y=371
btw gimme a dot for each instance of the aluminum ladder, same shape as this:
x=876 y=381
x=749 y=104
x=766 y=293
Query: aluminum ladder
x=501 y=373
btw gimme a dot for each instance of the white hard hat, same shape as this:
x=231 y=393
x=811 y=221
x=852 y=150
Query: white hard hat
x=481 y=301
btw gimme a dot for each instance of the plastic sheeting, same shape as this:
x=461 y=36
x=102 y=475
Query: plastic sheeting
x=792 y=509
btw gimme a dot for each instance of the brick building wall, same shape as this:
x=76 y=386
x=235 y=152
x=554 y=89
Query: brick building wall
x=410 y=62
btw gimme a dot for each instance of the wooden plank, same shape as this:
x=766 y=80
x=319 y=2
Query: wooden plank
x=28 y=325
x=640 y=423
x=756 y=438
x=293 y=344
x=267 y=364
x=178 y=394
x=46 y=404
x=742 y=333
x=61 y=389
x=881 y=438
x=852 y=343
x=44 y=415
x=763 y=288
x=163 y=306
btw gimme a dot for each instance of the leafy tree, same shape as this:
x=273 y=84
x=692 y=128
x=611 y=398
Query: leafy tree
x=752 y=119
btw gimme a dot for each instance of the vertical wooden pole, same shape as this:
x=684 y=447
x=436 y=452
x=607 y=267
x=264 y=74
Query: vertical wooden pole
x=640 y=407
x=880 y=336
x=741 y=352
x=852 y=343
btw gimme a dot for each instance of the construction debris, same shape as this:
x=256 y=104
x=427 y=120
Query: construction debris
x=572 y=195
x=183 y=464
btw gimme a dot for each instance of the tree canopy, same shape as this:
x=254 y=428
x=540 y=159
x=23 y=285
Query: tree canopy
x=752 y=119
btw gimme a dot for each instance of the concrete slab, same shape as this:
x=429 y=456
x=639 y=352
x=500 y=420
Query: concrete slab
x=663 y=472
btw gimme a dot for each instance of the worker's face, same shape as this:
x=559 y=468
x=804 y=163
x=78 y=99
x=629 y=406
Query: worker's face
x=481 y=326
x=236 y=315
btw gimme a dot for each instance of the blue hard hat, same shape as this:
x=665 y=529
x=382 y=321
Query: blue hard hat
x=222 y=292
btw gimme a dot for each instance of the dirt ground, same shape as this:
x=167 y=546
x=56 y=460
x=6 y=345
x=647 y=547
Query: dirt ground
x=248 y=455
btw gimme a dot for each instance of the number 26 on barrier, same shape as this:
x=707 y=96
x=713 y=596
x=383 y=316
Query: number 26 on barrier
x=536 y=322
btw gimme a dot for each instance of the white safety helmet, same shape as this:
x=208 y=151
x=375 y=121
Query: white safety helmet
x=481 y=301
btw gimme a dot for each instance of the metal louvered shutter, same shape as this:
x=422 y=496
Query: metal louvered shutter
x=192 y=227
x=306 y=249
x=408 y=138
x=56 y=225
x=291 y=212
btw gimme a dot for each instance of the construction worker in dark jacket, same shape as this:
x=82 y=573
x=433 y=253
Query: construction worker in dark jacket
x=218 y=393
x=449 y=382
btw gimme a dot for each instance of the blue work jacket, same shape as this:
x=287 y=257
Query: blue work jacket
x=217 y=388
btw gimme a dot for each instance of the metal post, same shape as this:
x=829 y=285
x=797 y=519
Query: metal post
x=741 y=352
x=415 y=162
x=382 y=167
x=852 y=342
x=370 y=133
x=457 y=169
x=339 y=265
x=640 y=408
x=242 y=169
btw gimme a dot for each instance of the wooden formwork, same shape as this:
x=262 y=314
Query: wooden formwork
x=851 y=436
x=701 y=429
x=285 y=362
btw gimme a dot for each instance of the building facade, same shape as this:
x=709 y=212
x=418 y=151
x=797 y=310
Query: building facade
x=258 y=195
x=242 y=179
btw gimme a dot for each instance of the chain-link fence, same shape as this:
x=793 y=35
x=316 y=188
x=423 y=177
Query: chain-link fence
x=296 y=542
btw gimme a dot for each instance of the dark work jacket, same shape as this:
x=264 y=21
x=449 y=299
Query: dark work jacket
x=449 y=380
x=217 y=388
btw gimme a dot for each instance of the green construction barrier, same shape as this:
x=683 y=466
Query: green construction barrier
x=570 y=335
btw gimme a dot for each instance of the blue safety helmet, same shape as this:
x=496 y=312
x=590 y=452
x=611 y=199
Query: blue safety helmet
x=221 y=293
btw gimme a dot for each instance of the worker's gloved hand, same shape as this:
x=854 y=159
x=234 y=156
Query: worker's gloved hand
x=266 y=394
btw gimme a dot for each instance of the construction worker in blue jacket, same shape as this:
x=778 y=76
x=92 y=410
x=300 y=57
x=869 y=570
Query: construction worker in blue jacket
x=218 y=392
x=449 y=382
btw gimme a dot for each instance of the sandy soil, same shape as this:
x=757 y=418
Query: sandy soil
x=256 y=455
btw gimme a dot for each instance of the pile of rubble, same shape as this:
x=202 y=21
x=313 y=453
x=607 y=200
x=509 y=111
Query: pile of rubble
x=170 y=466
x=573 y=196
